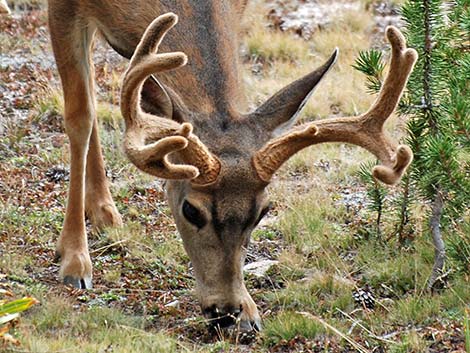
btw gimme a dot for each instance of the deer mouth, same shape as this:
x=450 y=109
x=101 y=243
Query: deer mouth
x=218 y=319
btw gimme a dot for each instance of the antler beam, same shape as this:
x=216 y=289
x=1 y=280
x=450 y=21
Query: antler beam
x=366 y=130
x=151 y=139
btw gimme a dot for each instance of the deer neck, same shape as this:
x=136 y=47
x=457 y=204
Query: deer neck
x=207 y=32
x=211 y=82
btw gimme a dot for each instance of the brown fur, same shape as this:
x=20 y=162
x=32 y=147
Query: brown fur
x=223 y=158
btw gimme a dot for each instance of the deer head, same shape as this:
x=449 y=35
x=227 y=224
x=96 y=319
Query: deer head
x=218 y=168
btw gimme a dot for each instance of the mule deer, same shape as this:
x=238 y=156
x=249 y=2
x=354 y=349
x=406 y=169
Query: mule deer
x=185 y=123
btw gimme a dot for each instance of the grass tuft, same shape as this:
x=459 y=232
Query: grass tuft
x=288 y=325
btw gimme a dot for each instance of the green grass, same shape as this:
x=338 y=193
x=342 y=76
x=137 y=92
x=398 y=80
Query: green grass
x=307 y=225
x=95 y=330
x=318 y=243
x=323 y=294
x=288 y=325
x=410 y=343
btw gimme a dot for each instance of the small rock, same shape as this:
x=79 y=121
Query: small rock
x=173 y=304
x=268 y=221
x=57 y=174
x=259 y=268
x=305 y=17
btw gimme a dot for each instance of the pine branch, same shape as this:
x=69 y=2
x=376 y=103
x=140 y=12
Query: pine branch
x=427 y=70
x=371 y=64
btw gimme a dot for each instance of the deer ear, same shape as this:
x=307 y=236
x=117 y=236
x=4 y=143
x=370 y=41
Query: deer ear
x=155 y=99
x=165 y=103
x=282 y=109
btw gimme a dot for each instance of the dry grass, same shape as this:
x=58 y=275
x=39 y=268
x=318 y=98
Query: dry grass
x=296 y=57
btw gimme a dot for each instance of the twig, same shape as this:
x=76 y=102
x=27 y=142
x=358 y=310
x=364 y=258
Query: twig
x=403 y=211
x=427 y=69
x=353 y=343
x=25 y=351
x=399 y=332
x=106 y=247
x=358 y=323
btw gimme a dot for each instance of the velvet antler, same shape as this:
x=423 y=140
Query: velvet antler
x=149 y=138
x=365 y=130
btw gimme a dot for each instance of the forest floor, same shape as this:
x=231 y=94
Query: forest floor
x=320 y=238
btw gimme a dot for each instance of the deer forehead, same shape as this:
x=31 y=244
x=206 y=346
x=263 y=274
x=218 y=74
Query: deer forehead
x=231 y=138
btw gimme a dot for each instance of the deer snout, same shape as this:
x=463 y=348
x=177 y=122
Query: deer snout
x=232 y=316
x=222 y=317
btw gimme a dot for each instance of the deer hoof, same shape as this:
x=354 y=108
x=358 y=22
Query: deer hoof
x=105 y=215
x=76 y=269
x=80 y=283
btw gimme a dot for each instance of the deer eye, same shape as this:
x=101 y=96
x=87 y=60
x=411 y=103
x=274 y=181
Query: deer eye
x=193 y=215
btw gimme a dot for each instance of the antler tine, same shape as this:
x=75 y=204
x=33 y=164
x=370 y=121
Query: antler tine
x=145 y=62
x=402 y=62
x=149 y=138
x=4 y=9
x=365 y=130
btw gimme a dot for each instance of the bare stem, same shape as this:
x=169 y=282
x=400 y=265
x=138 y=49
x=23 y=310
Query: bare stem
x=404 y=211
x=378 y=221
x=439 y=246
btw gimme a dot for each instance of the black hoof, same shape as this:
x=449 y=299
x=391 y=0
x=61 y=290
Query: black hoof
x=80 y=283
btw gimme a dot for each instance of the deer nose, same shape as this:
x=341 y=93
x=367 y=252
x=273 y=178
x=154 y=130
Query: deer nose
x=222 y=317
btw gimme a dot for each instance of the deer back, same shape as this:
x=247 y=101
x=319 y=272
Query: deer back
x=207 y=32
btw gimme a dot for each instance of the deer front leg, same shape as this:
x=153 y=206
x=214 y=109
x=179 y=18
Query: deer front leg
x=72 y=246
x=71 y=42
x=99 y=204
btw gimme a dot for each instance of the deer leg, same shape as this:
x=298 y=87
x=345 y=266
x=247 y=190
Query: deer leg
x=71 y=42
x=99 y=204
x=249 y=318
x=72 y=246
